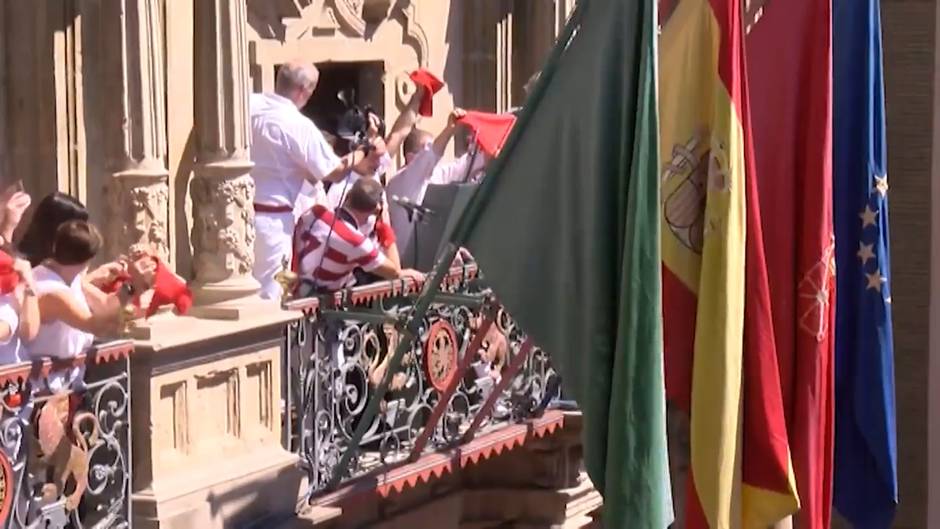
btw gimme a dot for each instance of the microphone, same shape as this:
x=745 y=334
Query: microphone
x=411 y=206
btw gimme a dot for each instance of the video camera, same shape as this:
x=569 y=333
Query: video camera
x=353 y=125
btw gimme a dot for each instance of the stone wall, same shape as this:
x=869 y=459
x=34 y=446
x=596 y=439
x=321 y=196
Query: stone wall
x=536 y=486
x=910 y=50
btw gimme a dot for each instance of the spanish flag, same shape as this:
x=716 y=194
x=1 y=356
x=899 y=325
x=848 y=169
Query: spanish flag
x=720 y=353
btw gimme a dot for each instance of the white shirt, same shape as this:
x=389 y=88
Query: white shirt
x=57 y=339
x=412 y=182
x=308 y=197
x=10 y=349
x=287 y=150
x=457 y=171
x=338 y=190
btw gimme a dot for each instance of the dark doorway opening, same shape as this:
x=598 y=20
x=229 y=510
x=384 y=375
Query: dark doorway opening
x=364 y=80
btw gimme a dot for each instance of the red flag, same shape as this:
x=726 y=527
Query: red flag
x=431 y=84
x=491 y=130
x=8 y=277
x=791 y=96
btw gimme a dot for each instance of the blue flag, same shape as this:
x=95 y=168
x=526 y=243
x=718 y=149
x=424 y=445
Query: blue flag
x=866 y=486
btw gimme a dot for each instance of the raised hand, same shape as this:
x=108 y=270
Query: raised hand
x=107 y=273
x=11 y=212
x=455 y=116
x=25 y=271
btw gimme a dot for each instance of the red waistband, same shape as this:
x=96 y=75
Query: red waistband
x=264 y=208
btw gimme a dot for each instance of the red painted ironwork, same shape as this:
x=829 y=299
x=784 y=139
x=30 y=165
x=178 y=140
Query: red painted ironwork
x=475 y=343
x=386 y=482
x=505 y=379
x=440 y=355
x=99 y=354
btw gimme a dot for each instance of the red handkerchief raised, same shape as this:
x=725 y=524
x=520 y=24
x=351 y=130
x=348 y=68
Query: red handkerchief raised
x=431 y=84
x=491 y=130
x=8 y=277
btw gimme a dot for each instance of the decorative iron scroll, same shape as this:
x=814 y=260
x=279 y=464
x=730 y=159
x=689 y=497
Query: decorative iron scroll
x=338 y=354
x=65 y=444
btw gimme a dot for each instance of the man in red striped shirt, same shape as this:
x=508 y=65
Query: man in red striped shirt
x=329 y=246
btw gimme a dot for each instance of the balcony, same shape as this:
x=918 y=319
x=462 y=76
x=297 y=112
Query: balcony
x=470 y=386
x=471 y=390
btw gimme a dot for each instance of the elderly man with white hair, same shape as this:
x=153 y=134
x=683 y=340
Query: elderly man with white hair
x=287 y=149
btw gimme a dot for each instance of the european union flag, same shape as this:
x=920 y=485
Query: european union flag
x=866 y=486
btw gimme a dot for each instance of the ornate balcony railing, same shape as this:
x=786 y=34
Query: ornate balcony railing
x=469 y=371
x=65 y=438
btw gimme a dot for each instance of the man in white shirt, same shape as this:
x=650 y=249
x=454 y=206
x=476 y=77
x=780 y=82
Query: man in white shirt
x=423 y=167
x=287 y=150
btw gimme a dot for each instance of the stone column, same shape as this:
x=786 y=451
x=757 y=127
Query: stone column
x=223 y=230
x=137 y=191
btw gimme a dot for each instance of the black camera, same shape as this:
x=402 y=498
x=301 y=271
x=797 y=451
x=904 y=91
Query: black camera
x=353 y=127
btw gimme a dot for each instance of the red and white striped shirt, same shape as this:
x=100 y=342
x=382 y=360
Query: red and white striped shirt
x=347 y=250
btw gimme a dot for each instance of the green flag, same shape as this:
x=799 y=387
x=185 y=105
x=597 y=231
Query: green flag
x=565 y=228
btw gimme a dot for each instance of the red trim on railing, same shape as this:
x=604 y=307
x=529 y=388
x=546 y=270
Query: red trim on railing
x=399 y=287
x=377 y=291
x=436 y=465
x=99 y=354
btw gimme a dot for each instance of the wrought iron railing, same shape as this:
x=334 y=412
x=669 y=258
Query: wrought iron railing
x=470 y=370
x=65 y=458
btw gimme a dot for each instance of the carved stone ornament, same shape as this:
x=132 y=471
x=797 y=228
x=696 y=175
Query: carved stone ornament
x=137 y=212
x=350 y=15
x=404 y=87
x=375 y=11
x=354 y=16
x=357 y=14
x=414 y=33
x=223 y=233
x=440 y=355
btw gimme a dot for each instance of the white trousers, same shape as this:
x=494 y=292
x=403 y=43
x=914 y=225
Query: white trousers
x=273 y=243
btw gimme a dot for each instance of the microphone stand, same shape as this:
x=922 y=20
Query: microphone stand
x=473 y=157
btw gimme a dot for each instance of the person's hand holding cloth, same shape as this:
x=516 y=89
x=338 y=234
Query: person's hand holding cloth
x=144 y=271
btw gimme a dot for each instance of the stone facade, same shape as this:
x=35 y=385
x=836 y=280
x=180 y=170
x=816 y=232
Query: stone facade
x=125 y=104
x=910 y=61
x=139 y=108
